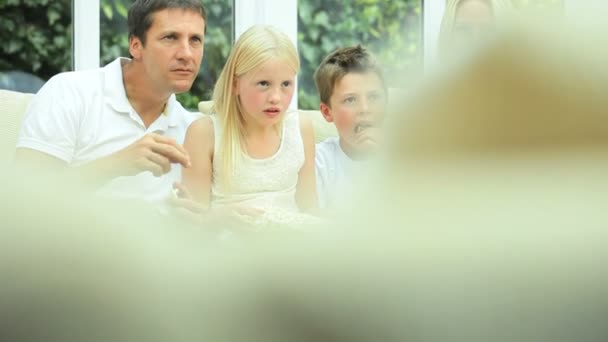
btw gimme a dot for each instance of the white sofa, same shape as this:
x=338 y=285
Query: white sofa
x=322 y=128
x=13 y=105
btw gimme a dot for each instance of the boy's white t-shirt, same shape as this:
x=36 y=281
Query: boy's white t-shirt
x=334 y=173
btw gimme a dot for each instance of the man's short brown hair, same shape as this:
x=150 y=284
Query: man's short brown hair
x=340 y=63
x=141 y=14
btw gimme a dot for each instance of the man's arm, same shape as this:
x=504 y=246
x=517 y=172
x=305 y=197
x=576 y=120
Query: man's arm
x=153 y=152
x=30 y=158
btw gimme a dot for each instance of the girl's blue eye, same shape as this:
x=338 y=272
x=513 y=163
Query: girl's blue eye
x=286 y=84
x=263 y=83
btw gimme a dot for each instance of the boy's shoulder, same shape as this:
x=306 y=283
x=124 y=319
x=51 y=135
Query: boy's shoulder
x=330 y=145
x=328 y=151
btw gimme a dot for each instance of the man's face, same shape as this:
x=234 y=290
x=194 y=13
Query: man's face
x=173 y=51
x=357 y=107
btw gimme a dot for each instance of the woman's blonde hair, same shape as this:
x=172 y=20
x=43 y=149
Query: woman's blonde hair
x=254 y=47
x=499 y=8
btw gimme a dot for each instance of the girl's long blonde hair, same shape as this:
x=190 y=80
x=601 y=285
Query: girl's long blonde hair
x=254 y=47
x=499 y=8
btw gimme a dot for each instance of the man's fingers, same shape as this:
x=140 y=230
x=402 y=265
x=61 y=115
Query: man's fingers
x=148 y=165
x=168 y=141
x=173 y=154
x=160 y=160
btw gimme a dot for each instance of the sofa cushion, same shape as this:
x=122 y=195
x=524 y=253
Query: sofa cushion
x=322 y=129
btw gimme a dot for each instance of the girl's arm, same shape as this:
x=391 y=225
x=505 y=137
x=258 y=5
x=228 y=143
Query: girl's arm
x=306 y=189
x=199 y=143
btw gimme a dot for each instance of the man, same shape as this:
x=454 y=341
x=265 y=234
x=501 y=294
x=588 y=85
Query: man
x=120 y=127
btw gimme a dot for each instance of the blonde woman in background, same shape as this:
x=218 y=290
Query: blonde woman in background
x=466 y=22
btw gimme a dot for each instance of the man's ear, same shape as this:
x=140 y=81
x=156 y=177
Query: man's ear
x=135 y=47
x=326 y=111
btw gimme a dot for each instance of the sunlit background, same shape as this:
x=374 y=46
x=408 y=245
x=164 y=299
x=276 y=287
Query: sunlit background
x=37 y=37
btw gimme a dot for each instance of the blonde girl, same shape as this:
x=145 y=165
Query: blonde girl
x=252 y=152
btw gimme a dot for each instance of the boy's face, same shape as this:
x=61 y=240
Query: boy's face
x=357 y=107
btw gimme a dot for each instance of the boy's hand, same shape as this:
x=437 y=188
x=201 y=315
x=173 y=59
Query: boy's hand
x=369 y=139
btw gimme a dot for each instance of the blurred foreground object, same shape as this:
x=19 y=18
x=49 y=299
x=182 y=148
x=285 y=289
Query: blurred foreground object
x=490 y=226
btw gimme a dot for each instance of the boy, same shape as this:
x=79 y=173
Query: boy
x=353 y=96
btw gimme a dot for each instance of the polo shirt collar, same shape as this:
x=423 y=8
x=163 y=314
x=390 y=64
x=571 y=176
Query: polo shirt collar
x=116 y=96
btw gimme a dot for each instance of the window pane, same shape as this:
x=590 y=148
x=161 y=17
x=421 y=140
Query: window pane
x=36 y=41
x=114 y=43
x=391 y=29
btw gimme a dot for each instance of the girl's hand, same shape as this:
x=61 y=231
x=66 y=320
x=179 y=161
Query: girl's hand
x=185 y=206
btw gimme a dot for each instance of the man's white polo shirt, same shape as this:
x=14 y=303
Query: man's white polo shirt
x=82 y=116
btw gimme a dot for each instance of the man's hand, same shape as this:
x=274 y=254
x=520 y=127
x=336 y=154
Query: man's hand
x=153 y=152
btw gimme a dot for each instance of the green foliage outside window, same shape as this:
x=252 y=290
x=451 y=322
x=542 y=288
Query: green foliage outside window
x=391 y=29
x=36 y=36
x=37 y=39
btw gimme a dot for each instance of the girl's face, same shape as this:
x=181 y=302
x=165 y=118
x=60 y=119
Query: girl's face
x=473 y=20
x=265 y=92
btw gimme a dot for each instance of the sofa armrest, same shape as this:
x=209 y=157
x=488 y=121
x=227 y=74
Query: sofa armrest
x=12 y=110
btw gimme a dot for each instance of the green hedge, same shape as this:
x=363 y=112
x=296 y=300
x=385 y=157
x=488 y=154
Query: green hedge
x=389 y=28
x=36 y=37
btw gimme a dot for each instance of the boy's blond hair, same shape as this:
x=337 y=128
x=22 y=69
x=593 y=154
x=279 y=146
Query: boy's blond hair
x=341 y=62
x=254 y=47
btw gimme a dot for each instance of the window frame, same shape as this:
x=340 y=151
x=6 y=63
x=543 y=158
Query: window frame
x=282 y=14
x=86 y=34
